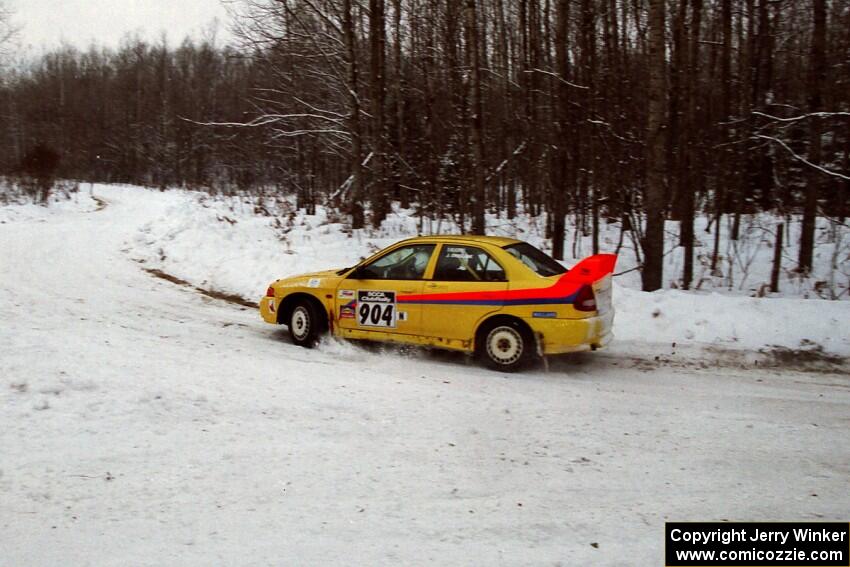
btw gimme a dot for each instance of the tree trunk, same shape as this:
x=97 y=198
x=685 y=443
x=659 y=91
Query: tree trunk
x=398 y=96
x=653 y=245
x=817 y=73
x=563 y=161
x=691 y=175
x=777 y=259
x=727 y=160
x=476 y=120
x=356 y=204
x=377 y=84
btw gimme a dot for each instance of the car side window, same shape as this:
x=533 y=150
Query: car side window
x=467 y=264
x=405 y=263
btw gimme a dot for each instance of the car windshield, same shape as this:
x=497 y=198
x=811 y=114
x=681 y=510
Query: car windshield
x=540 y=262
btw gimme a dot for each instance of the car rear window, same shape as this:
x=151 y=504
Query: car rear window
x=537 y=260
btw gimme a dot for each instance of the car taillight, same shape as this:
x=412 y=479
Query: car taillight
x=585 y=301
x=270 y=292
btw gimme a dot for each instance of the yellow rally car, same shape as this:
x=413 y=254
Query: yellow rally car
x=499 y=298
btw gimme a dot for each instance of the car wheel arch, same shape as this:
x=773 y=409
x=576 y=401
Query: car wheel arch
x=288 y=303
x=501 y=318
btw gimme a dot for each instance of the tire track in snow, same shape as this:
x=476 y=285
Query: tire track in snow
x=228 y=297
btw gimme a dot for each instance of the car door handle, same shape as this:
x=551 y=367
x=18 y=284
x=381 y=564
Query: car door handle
x=407 y=290
x=435 y=286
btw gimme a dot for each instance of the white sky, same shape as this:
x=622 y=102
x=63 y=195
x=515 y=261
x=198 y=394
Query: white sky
x=45 y=23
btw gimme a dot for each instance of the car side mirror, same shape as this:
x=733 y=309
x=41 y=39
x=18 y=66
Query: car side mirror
x=357 y=274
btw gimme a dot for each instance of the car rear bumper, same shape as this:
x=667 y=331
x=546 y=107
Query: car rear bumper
x=570 y=335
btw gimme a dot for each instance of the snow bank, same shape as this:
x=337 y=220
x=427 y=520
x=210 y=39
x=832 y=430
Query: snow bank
x=226 y=244
x=232 y=245
x=60 y=203
x=726 y=322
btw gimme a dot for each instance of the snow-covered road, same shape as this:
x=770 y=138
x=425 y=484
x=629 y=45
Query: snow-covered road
x=144 y=424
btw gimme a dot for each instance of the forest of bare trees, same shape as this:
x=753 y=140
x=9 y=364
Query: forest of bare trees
x=636 y=110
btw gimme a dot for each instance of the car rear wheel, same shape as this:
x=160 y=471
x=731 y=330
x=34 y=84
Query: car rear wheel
x=305 y=324
x=505 y=346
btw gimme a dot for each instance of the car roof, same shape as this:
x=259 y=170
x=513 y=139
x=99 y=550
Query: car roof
x=495 y=240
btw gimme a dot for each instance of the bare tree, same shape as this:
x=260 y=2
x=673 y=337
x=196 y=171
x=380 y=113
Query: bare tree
x=692 y=175
x=563 y=124
x=378 y=89
x=653 y=245
x=356 y=158
x=476 y=120
x=817 y=75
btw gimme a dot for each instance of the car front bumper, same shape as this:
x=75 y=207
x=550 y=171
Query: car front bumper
x=268 y=309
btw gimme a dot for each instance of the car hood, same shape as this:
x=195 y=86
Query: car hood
x=315 y=280
x=322 y=274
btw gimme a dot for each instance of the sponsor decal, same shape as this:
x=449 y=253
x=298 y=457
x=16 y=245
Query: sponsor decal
x=459 y=253
x=271 y=305
x=349 y=310
x=376 y=308
x=544 y=314
x=402 y=315
x=314 y=282
x=345 y=294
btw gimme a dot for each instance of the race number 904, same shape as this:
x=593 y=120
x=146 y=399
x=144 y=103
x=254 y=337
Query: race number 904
x=376 y=309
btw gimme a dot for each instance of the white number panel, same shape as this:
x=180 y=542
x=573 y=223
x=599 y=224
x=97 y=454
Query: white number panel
x=376 y=309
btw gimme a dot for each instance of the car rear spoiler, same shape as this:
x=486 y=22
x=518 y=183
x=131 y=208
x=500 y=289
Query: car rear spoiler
x=590 y=270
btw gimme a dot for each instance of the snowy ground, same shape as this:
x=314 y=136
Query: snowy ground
x=145 y=424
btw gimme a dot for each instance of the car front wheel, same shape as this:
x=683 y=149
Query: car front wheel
x=304 y=324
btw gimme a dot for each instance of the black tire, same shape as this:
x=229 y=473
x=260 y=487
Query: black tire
x=305 y=324
x=505 y=345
